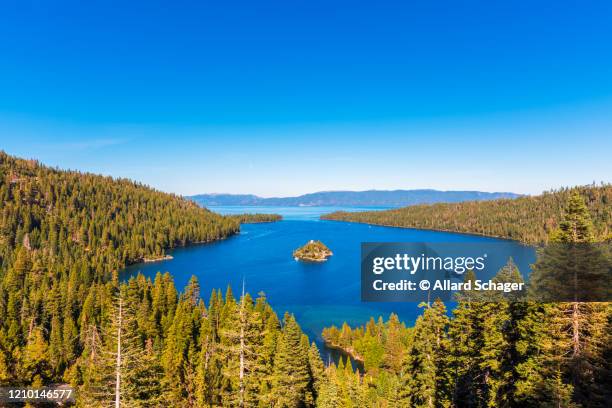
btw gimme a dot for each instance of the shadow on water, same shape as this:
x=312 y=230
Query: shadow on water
x=334 y=355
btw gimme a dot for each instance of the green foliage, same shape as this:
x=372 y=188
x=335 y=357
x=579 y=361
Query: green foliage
x=314 y=251
x=251 y=362
x=343 y=388
x=63 y=237
x=291 y=377
x=255 y=218
x=577 y=333
x=378 y=345
x=496 y=350
x=577 y=225
x=423 y=366
x=526 y=219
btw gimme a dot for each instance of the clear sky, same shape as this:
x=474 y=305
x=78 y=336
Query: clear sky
x=288 y=97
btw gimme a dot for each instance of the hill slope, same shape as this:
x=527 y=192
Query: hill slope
x=119 y=220
x=63 y=237
x=525 y=219
x=394 y=198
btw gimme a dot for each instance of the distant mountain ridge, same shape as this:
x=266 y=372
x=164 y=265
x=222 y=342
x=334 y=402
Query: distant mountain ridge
x=370 y=198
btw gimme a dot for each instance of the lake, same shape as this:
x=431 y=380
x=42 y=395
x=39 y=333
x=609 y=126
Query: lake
x=319 y=294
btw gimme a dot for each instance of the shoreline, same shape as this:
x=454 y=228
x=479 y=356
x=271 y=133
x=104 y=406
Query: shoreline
x=168 y=257
x=434 y=230
x=157 y=259
x=349 y=352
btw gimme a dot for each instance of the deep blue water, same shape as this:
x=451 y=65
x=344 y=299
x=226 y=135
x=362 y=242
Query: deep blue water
x=319 y=294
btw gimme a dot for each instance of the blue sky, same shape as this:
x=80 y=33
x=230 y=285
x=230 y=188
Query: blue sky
x=282 y=98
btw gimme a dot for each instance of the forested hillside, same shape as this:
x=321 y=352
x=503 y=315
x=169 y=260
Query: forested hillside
x=65 y=215
x=65 y=318
x=63 y=237
x=525 y=219
x=491 y=352
x=255 y=218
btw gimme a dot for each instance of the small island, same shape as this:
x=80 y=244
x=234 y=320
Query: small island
x=313 y=251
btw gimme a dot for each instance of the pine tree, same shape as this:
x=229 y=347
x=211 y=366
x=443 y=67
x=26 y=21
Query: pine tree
x=578 y=330
x=34 y=361
x=240 y=338
x=117 y=370
x=63 y=237
x=146 y=383
x=266 y=351
x=316 y=370
x=481 y=365
x=329 y=396
x=290 y=377
x=394 y=345
x=179 y=357
x=461 y=361
x=422 y=370
x=371 y=348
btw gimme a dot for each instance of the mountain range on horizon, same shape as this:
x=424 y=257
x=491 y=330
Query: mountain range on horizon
x=368 y=198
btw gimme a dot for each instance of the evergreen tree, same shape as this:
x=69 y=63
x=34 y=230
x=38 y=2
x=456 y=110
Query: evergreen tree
x=316 y=369
x=290 y=377
x=422 y=381
x=528 y=219
x=329 y=396
x=239 y=342
x=394 y=345
x=34 y=362
x=63 y=237
x=179 y=356
x=578 y=331
x=117 y=370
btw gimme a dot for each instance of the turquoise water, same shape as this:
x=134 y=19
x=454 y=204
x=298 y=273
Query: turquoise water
x=319 y=294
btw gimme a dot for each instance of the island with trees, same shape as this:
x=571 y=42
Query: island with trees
x=313 y=251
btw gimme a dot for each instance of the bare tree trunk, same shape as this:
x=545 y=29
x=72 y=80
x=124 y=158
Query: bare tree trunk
x=31 y=327
x=242 y=323
x=242 y=366
x=575 y=329
x=575 y=319
x=118 y=363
